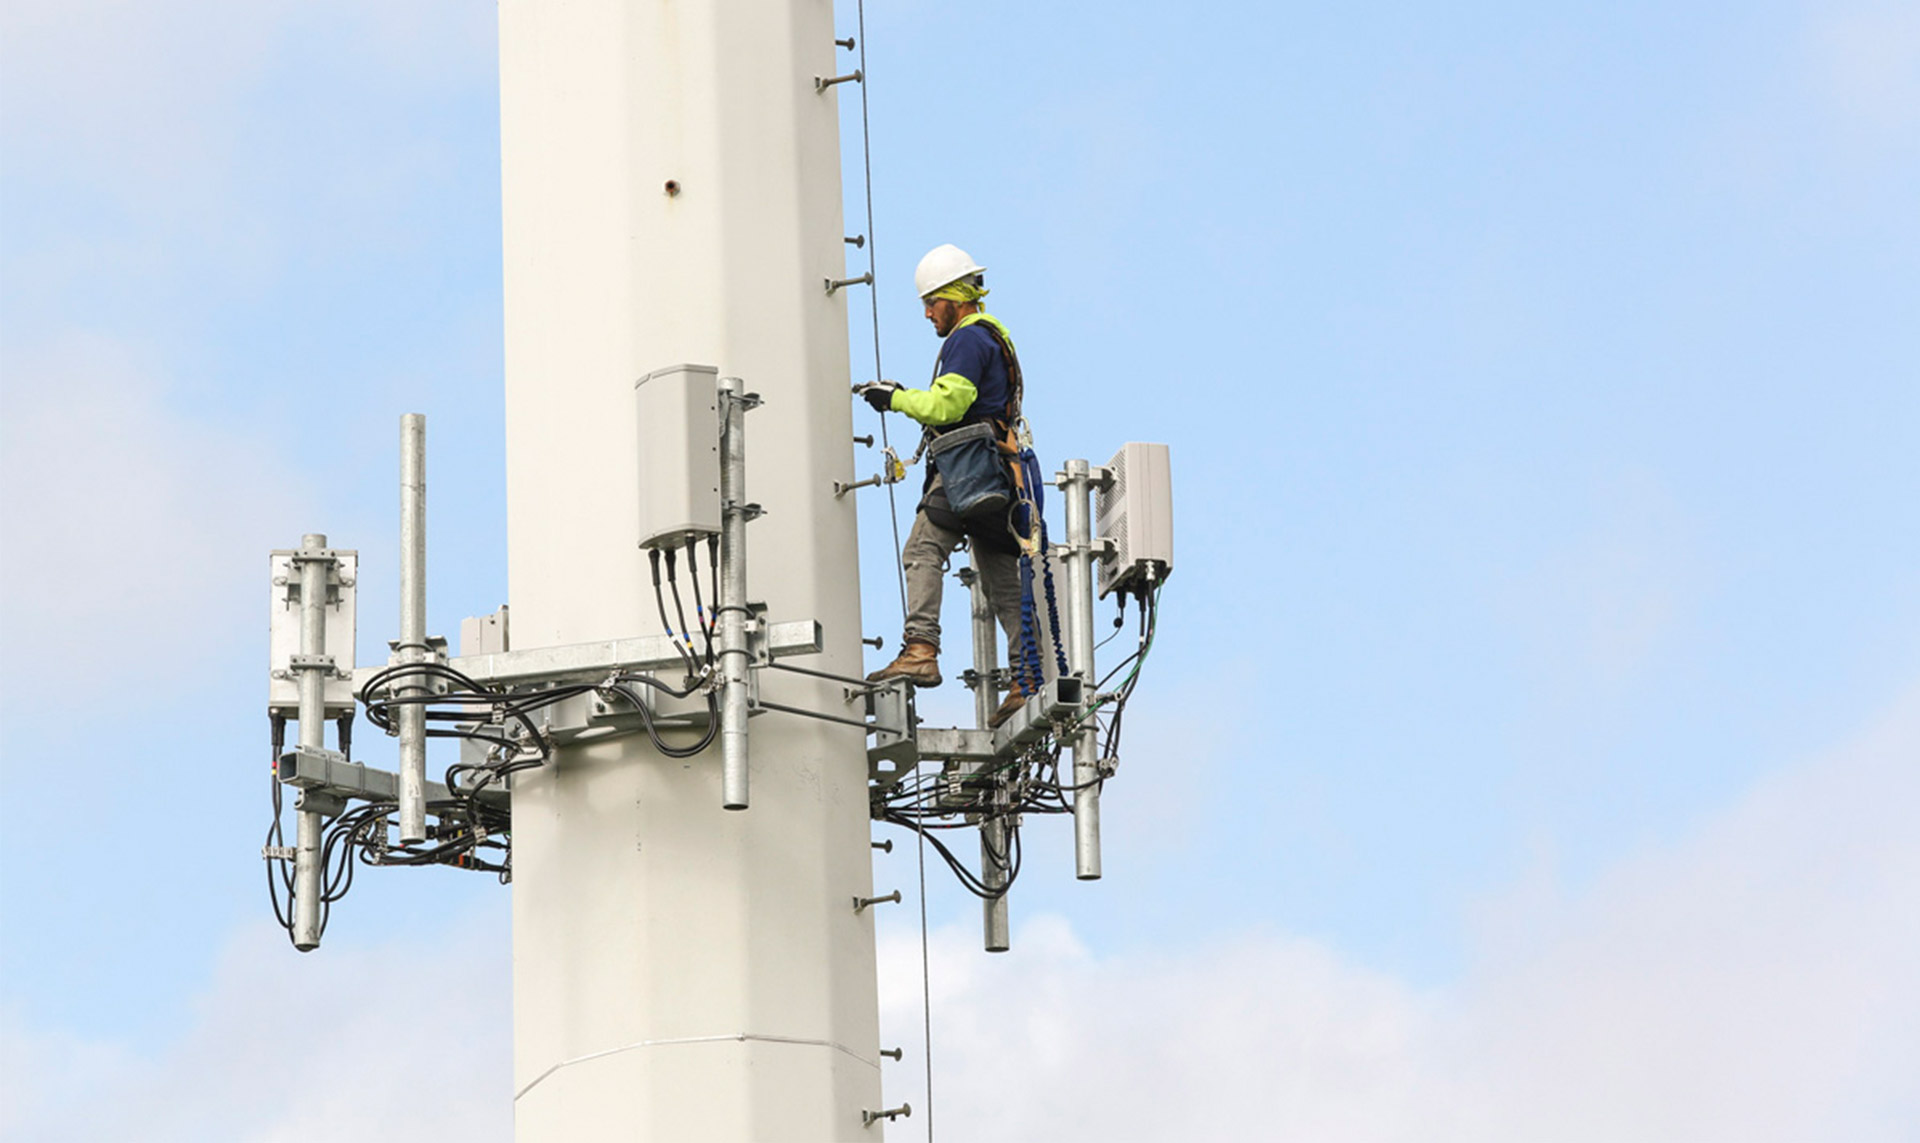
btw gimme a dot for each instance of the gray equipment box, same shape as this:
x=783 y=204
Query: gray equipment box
x=485 y=634
x=679 y=421
x=1135 y=511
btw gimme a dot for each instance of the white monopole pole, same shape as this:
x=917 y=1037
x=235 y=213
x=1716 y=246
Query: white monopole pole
x=672 y=195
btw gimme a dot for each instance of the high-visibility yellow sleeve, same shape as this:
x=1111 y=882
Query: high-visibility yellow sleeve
x=945 y=402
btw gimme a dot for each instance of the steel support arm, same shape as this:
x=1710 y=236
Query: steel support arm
x=1060 y=704
x=590 y=662
x=329 y=772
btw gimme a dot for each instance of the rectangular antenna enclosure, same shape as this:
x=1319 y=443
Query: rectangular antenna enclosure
x=283 y=632
x=1134 y=510
x=678 y=412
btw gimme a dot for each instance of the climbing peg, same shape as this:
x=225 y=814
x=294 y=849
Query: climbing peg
x=860 y=903
x=834 y=284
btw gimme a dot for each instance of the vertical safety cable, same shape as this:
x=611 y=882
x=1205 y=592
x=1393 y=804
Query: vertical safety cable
x=893 y=518
x=873 y=296
x=926 y=976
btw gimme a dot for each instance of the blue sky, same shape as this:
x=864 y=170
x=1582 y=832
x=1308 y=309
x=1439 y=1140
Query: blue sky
x=1539 y=686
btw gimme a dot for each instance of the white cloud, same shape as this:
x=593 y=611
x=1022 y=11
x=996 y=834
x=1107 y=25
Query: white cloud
x=159 y=86
x=130 y=527
x=1752 y=984
x=385 y=1044
x=1600 y=609
x=128 y=88
x=1264 y=1036
x=138 y=140
x=165 y=160
x=214 y=145
x=1867 y=59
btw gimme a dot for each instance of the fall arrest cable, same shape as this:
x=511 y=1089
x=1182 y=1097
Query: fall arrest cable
x=893 y=518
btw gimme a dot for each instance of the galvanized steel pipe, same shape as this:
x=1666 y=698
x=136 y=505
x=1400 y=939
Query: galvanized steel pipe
x=1077 y=487
x=995 y=859
x=993 y=831
x=986 y=645
x=733 y=596
x=412 y=718
x=312 y=567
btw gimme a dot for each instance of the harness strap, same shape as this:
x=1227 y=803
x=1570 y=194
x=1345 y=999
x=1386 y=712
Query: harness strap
x=1016 y=383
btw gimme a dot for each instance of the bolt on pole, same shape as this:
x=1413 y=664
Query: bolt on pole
x=413 y=625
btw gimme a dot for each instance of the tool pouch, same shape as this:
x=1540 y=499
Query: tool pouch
x=973 y=471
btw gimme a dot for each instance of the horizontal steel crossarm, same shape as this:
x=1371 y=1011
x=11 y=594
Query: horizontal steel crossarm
x=1028 y=725
x=590 y=662
x=957 y=743
x=328 y=772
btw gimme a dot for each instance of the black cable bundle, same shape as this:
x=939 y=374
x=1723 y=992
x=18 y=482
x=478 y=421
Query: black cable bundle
x=279 y=869
x=1031 y=779
x=469 y=832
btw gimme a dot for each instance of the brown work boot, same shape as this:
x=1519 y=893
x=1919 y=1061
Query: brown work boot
x=919 y=664
x=1016 y=698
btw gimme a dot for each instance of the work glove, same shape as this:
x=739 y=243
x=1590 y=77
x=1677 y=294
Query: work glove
x=879 y=394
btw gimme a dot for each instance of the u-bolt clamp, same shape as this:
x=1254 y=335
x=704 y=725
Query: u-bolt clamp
x=860 y=903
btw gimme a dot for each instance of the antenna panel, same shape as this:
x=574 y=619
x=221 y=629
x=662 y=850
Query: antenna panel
x=679 y=420
x=283 y=632
x=1135 y=511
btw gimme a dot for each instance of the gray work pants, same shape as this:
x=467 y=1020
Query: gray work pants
x=925 y=560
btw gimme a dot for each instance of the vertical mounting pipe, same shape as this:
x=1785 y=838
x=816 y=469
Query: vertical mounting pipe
x=993 y=831
x=1077 y=485
x=413 y=624
x=733 y=595
x=994 y=861
x=312 y=566
x=986 y=644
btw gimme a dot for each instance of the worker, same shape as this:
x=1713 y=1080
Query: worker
x=968 y=412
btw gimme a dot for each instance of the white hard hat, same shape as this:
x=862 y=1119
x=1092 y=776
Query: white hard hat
x=943 y=266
